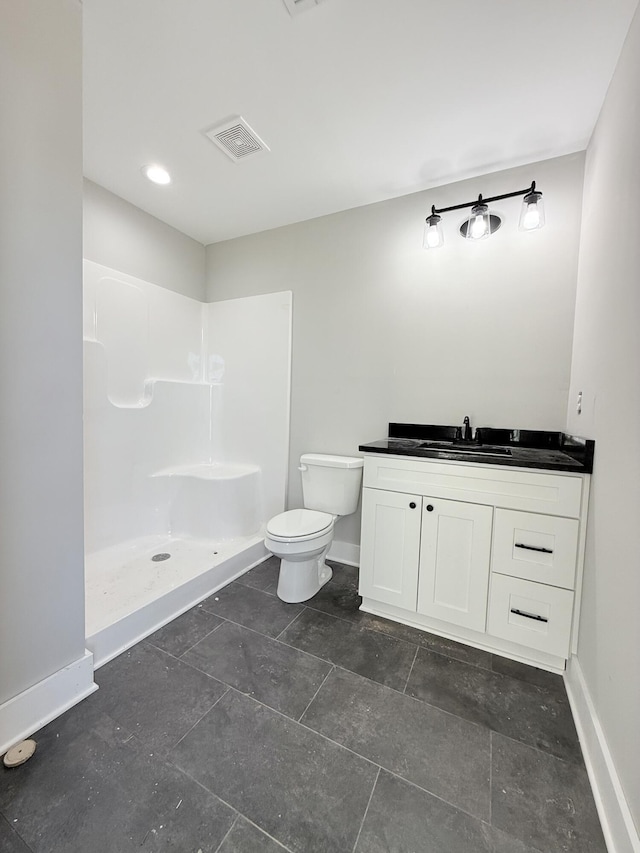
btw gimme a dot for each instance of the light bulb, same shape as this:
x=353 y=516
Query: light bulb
x=478 y=227
x=433 y=237
x=531 y=218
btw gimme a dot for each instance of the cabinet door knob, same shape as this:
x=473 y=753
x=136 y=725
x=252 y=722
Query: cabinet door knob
x=412 y=505
x=429 y=507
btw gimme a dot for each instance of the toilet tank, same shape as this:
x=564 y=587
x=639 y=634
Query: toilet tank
x=331 y=483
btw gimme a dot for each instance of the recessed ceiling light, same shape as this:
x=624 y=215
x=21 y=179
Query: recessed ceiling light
x=157 y=174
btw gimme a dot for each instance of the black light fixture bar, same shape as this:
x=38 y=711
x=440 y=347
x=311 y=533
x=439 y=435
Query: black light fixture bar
x=480 y=200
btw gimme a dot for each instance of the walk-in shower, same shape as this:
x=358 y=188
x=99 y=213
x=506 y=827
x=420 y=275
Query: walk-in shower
x=186 y=444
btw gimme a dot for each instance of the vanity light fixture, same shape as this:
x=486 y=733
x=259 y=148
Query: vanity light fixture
x=157 y=174
x=482 y=223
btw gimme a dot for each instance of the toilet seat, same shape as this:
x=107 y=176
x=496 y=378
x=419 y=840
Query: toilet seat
x=299 y=525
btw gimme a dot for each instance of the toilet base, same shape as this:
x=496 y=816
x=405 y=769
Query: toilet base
x=300 y=580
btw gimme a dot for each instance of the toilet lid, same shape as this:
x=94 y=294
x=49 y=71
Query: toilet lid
x=299 y=522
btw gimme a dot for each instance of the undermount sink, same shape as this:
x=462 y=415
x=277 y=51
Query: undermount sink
x=463 y=449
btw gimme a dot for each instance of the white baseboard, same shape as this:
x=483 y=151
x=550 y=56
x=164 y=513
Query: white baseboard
x=620 y=832
x=32 y=709
x=344 y=552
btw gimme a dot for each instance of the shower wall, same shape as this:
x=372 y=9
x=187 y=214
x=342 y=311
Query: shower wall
x=186 y=411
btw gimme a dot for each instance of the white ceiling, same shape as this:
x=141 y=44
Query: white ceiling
x=358 y=100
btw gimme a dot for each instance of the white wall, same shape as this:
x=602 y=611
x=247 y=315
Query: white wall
x=606 y=368
x=384 y=331
x=121 y=236
x=41 y=546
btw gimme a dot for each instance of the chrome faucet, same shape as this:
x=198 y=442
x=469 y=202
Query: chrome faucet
x=467 y=429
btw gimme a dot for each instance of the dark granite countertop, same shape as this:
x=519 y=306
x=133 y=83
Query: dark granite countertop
x=551 y=451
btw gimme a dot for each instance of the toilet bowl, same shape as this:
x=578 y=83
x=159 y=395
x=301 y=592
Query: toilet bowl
x=301 y=537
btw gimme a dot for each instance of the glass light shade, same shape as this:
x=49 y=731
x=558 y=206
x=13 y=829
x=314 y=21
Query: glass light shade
x=479 y=223
x=532 y=213
x=433 y=234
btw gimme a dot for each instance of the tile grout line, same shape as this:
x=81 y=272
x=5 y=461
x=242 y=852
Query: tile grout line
x=332 y=664
x=259 y=634
x=338 y=666
x=179 y=657
x=353 y=672
x=227 y=833
x=290 y=623
x=353 y=623
x=546 y=752
x=490 y=778
x=431 y=794
x=15 y=832
x=379 y=768
x=253 y=631
x=186 y=662
x=356 y=624
x=333 y=668
x=420 y=702
x=307 y=728
x=326 y=660
x=212 y=631
x=256 y=588
x=366 y=811
x=364 y=627
x=352 y=751
x=316 y=693
x=335 y=743
x=229 y=806
x=406 y=684
x=267 y=637
x=179 y=741
x=263 y=831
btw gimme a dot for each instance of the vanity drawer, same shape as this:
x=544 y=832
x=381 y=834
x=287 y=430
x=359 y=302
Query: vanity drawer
x=531 y=614
x=539 y=548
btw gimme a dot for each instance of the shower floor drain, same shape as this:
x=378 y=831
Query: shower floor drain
x=158 y=558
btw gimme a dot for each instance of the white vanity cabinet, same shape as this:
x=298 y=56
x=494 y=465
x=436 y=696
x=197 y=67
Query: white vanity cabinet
x=485 y=554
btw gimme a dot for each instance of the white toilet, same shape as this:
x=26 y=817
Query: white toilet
x=301 y=537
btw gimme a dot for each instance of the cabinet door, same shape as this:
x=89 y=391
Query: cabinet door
x=390 y=547
x=454 y=562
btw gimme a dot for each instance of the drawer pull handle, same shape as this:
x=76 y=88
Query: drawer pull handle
x=412 y=505
x=529 y=615
x=534 y=548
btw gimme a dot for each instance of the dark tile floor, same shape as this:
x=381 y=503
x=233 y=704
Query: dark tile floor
x=252 y=726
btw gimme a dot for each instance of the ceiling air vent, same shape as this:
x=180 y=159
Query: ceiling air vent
x=295 y=6
x=237 y=139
